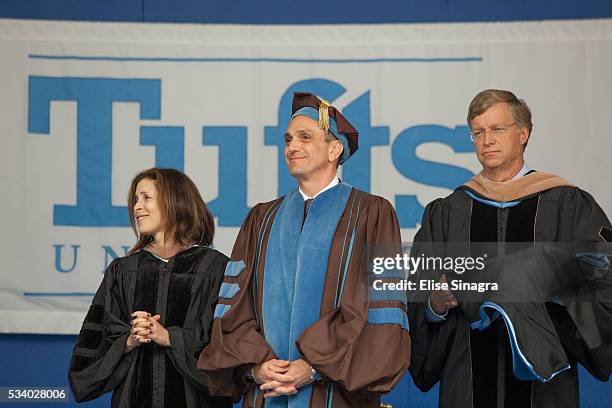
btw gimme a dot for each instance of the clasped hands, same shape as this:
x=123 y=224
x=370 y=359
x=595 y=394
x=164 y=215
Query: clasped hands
x=145 y=329
x=281 y=377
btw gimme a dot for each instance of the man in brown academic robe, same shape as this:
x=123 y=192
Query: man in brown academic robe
x=297 y=324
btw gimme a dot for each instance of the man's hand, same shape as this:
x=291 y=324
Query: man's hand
x=272 y=374
x=442 y=300
x=299 y=370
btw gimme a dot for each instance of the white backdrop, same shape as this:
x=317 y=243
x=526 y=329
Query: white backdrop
x=85 y=106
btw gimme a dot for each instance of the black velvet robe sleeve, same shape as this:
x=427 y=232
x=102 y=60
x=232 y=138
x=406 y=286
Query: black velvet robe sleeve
x=584 y=325
x=575 y=269
x=98 y=363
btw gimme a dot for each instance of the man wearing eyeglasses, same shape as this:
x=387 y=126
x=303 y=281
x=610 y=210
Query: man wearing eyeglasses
x=516 y=345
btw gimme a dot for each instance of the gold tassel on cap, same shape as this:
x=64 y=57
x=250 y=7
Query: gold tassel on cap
x=324 y=115
x=385 y=405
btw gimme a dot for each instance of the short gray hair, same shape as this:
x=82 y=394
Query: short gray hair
x=520 y=112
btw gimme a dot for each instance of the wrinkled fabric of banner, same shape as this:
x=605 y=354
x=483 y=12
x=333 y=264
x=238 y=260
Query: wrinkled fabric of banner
x=85 y=106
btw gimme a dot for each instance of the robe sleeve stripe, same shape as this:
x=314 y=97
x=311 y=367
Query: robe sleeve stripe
x=329 y=396
x=88 y=353
x=229 y=290
x=89 y=339
x=349 y=252
x=220 y=310
x=522 y=368
x=382 y=295
x=95 y=314
x=270 y=214
x=78 y=363
x=388 y=315
x=234 y=268
x=92 y=326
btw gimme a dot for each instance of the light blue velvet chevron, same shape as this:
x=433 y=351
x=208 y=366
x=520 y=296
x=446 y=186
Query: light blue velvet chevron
x=388 y=315
x=234 y=268
x=387 y=295
x=228 y=290
x=220 y=310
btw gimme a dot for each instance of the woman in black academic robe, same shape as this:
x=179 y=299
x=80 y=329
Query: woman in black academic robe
x=152 y=313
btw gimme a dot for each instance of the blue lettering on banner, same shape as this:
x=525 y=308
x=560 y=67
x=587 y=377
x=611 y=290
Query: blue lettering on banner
x=169 y=142
x=94 y=97
x=357 y=171
x=58 y=258
x=405 y=160
x=110 y=254
x=230 y=206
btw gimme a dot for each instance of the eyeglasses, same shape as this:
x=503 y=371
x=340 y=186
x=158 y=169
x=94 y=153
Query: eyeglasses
x=477 y=134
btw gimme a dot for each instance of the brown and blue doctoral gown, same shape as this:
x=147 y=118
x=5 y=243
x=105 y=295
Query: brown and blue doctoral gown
x=299 y=288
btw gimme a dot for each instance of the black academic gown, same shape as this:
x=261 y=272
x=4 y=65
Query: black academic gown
x=183 y=291
x=475 y=368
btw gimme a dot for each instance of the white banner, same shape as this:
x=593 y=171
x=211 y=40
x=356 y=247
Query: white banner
x=85 y=106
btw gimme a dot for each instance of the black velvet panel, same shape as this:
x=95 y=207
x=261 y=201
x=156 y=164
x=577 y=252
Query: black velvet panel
x=179 y=292
x=483 y=345
x=520 y=225
x=145 y=298
x=483 y=229
x=143 y=384
x=519 y=228
x=179 y=295
x=77 y=363
x=174 y=395
x=89 y=339
x=484 y=223
x=518 y=392
x=95 y=314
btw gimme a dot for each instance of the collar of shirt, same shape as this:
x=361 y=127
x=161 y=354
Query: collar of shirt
x=333 y=183
x=524 y=170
